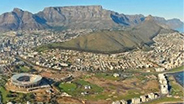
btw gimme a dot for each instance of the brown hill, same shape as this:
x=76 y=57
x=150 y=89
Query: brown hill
x=115 y=41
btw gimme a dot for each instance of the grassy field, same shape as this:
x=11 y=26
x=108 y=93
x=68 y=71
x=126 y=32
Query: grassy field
x=67 y=87
x=22 y=69
x=96 y=97
x=3 y=81
x=178 y=69
x=18 y=97
x=166 y=99
x=3 y=91
x=116 y=88
x=176 y=89
x=4 y=94
x=106 y=76
x=77 y=87
x=94 y=88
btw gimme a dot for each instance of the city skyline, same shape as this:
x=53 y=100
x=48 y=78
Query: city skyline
x=163 y=8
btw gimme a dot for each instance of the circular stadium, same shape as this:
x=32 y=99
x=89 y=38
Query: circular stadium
x=26 y=80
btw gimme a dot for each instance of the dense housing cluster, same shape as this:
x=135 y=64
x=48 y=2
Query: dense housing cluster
x=166 y=54
x=21 y=42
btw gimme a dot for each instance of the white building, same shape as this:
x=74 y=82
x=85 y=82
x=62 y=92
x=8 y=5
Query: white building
x=123 y=101
x=163 y=84
x=135 y=101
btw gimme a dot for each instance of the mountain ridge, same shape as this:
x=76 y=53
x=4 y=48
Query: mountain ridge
x=75 y=17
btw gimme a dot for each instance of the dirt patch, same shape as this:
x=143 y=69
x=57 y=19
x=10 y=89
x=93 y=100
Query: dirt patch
x=69 y=100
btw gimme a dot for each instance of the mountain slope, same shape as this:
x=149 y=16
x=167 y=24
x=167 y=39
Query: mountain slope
x=135 y=19
x=77 y=17
x=115 y=41
x=19 y=19
x=174 y=23
x=171 y=23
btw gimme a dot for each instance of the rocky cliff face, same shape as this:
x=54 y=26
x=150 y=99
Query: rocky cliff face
x=135 y=19
x=75 y=17
x=78 y=17
x=19 y=19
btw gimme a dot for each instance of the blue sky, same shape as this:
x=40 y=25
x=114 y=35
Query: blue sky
x=163 y=8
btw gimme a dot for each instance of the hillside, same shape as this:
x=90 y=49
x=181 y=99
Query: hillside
x=105 y=41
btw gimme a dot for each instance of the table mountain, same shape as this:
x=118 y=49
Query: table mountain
x=75 y=17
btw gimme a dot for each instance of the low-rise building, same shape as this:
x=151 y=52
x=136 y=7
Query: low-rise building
x=116 y=102
x=151 y=96
x=164 y=89
x=123 y=101
x=143 y=98
x=159 y=69
x=116 y=75
x=163 y=84
x=135 y=101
